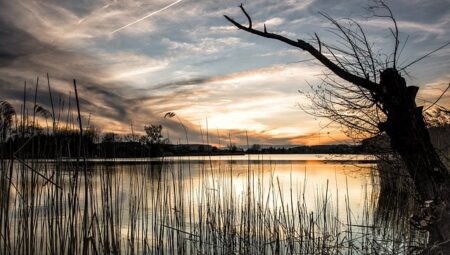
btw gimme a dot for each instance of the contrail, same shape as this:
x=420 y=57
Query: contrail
x=147 y=16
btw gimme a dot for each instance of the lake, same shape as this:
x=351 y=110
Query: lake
x=240 y=204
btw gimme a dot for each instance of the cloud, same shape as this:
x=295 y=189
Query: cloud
x=274 y=22
x=280 y=71
x=223 y=29
x=431 y=92
x=31 y=57
x=190 y=60
x=204 y=45
x=408 y=26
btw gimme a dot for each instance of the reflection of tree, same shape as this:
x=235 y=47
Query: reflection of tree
x=155 y=172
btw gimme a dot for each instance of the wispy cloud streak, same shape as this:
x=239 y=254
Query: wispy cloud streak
x=188 y=59
x=146 y=16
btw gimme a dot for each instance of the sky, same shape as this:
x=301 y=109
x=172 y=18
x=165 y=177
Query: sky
x=135 y=60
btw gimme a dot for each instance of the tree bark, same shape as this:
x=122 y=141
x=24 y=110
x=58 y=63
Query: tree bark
x=409 y=137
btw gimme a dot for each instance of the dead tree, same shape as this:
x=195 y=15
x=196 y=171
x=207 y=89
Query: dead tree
x=374 y=97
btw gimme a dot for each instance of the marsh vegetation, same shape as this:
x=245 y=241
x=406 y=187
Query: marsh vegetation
x=220 y=205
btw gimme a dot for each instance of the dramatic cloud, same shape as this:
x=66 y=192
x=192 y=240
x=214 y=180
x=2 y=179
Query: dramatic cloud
x=136 y=60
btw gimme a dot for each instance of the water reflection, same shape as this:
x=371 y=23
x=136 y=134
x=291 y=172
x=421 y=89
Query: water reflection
x=222 y=204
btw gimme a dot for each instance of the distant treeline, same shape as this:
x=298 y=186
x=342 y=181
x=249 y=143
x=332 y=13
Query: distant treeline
x=314 y=149
x=67 y=143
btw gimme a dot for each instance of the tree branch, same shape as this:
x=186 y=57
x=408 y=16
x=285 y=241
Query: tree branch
x=248 y=16
x=358 y=81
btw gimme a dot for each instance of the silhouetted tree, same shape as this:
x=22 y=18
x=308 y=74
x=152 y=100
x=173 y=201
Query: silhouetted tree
x=232 y=147
x=131 y=138
x=109 y=138
x=154 y=134
x=7 y=113
x=371 y=97
x=155 y=139
x=255 y=148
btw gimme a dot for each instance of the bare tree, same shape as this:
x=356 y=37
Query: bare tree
x=370 y=96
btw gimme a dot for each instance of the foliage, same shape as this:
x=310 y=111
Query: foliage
x=109 y=137
x=7 y=113
x=154 y=134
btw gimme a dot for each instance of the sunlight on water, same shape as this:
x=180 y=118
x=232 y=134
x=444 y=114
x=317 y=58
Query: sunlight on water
x=147 y=205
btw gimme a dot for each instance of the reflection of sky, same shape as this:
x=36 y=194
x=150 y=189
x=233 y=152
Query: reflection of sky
x=278 y=179
x=186 y=58
x=154 y=194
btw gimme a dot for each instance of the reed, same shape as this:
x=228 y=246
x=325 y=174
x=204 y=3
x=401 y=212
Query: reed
x=174 y=206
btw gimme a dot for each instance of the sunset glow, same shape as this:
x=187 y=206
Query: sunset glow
x=136 y=60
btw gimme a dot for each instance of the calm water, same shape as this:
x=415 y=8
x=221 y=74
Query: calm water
x=161 y=205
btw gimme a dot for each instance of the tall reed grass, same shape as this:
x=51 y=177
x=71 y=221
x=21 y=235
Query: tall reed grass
x=157 y=208
x=59 y=206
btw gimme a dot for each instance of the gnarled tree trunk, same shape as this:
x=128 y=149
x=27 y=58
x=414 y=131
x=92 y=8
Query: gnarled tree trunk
x=409 y=137
x=405 y=125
